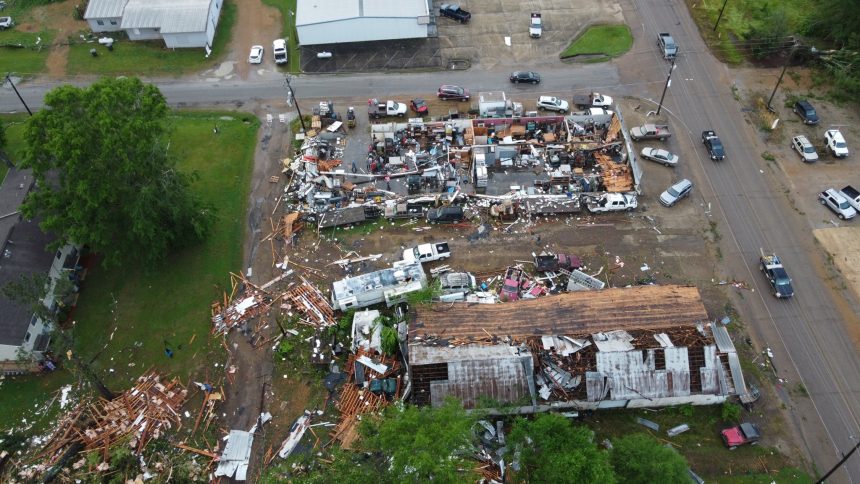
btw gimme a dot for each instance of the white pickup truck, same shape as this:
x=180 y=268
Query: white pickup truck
x=427 y=252
x=611 y=202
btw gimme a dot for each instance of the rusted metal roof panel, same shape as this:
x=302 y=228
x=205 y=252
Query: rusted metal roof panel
x=576 y=313
x=503 y=380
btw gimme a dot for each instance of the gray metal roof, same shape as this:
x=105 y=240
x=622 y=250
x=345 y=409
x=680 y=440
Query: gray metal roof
x=237 y=454
x=428 y=355
x=723 y=339
x=373 y=281
x=104 y=9
x=309 y=12
x=169 y=16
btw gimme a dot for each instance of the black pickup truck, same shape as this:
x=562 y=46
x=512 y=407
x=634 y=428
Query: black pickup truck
x=453 y=11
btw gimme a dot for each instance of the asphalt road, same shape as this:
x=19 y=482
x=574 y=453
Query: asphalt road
x=806 y=333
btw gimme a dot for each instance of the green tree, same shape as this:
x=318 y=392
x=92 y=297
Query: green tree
x=640 y=459
x=3 y=145
x=100 y=157
x=553 y=450
x=422 y=444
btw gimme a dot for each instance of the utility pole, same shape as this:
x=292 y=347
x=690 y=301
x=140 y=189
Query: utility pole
x=293 y=98
x=666 y=87
x=838 y=464
x=720 y=16
x=9 y=80
x=778 y=81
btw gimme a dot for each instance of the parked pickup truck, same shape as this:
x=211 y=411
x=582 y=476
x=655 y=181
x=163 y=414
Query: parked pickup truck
x=377 y=109
x=667 y=45
x=714 y=145
x=611 y=202
x=427 y=252
x=773 y=269
x=745 y=433
x=650 y=131
x=453 y=11
x=594 y=99
x=536 y=26
x=852 y=195
x=554 y=262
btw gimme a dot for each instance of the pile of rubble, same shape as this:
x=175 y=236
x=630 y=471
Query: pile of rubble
x=139 y=414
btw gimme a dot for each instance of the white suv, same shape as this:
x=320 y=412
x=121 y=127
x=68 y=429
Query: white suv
x=836 y=143
x=804 y=148
x=838 y=203
x=551 y=103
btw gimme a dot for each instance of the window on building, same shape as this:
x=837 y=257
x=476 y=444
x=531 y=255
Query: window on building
x=100 y=22
x=59 y=253
x=27 y=336
x=113 y=22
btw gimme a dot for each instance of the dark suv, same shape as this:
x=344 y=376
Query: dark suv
x=453 y=11
x=453 y=93
x=806 y=112
x=445 y=215
x=525 y=76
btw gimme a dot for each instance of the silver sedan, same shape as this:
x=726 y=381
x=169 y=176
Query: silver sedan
x=657 y=155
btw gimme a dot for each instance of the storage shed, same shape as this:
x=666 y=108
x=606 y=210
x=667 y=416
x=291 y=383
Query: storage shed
x=340 y=21
x=180 y=23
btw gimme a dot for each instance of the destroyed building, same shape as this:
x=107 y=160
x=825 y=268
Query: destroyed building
x=644 y=346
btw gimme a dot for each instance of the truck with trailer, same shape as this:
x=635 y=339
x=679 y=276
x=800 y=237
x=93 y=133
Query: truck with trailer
x=852 y=195
x=771 y=266
x=593 y=100
x=377 y=109
x=667 y=45
x=650 y=131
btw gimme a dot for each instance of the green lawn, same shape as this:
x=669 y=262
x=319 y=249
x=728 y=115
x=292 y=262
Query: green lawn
x=152 y=58
x=289 y=31
x=605 y=41
x=170 y=302
x=169 y=305
x=23 y=53
x=14 y=125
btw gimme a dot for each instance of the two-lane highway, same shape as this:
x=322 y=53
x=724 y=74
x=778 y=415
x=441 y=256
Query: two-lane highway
x=807 y=333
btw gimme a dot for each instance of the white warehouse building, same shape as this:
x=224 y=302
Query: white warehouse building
x=180 y=23
x=341 y=21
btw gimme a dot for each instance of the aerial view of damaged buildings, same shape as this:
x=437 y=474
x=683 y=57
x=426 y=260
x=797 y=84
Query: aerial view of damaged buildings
x=477 y=335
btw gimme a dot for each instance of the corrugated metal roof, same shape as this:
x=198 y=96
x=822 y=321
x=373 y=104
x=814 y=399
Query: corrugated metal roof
x=428 y=355
x=237 y=454
x=503 y=380
x=104 y=9
x=309 y=12
x=170 y=16
x=722 y=338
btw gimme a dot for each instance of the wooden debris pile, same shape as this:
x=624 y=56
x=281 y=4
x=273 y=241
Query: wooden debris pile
x=372 y=383
x=142 y=413
x=308 y=300
x=234 y=309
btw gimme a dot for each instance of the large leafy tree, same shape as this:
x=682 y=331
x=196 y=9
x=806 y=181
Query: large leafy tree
x=640 y=459
x=100 y=157
x=552 y=450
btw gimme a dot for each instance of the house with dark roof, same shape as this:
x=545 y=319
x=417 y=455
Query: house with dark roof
x=180 y=23
x=25 y=253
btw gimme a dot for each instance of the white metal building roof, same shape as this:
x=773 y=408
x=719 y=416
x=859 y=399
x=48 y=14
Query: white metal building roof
x=309 y=12
x=104 y=9
x=170 y=16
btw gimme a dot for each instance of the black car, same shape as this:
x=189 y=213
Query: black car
x=525 y=76
x=445 y=215
x=453 y=11
x=806 y=112
x=450 y=92
x=714 y=145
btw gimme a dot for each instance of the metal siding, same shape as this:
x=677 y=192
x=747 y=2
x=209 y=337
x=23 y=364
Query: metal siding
x=722 y=338
x=102 y=9
x=361 y=30
x=176 y=41
x=499 y=379
x=170 y=16
x=107 y=27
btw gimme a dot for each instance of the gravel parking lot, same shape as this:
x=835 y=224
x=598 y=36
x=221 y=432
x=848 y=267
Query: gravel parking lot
x=373 y=56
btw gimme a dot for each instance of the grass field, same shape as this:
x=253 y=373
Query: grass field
x=22 y=53
x=167 y=303
x=151 y=57
x=287 y=7
x=602 y=41
x=739 y=18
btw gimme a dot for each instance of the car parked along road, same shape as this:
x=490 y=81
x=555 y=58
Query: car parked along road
x=676 y=192
x=530 y=77
x=657 y=155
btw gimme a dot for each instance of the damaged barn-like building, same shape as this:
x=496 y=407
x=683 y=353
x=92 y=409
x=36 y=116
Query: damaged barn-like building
x=645 y=346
